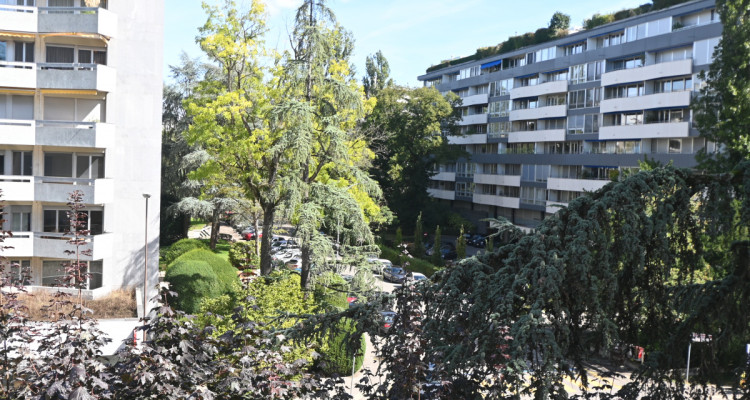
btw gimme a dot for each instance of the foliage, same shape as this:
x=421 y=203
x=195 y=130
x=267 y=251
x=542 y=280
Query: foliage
x=242 y=255
x=722 y=112
x=331 y=292
x=225 y=272
x=436 y=258
x=193 y=281
x=411 y=263
x=559 y=22
x=461 y=244
x=418 y=247
x=180 y=247
x=378 y=74
x=407 y=131
x=598 y=20
x=399 y=238
x=338 y=352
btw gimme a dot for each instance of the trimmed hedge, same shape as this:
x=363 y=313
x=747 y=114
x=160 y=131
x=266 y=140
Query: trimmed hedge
x=192 y=280
x=327 y=297
x=242 y=255
x=181 y=247
x=337 y=357
x=415 y=264
x=225 y=272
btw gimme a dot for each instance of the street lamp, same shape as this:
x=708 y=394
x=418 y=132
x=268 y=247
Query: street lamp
x=145 y=265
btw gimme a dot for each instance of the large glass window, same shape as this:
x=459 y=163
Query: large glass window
x=53 y=272
x=20 y=221
x=58 y=221
x=3 y=50
x=628 y=63
x=24 y=52
x=588 y=123
x=63 y=55
x=86 y=166
x=20 y=272
x=22 y=163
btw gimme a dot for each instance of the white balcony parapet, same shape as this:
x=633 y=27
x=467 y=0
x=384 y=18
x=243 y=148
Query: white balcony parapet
x=76 y=76
x=54 y=245
x=473 y=119
x=576 y=185
x=478 y=138
x=442 y=194
x=17 y=132
x=21 y=244
x=17 y=187
x=539 y=90
x=494 y=200
x=17 y=74
x=649 y=72
x=539 y=113
x=648 y=102
x=474 y=100
x=548 y=135
x=76 y=134
x=645 y=131
x=92 y=20
x=57 y=189
x=493 y=179
x=444 y=176
x=18 y=18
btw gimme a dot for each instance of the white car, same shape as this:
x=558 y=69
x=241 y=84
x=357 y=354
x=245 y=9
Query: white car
x=380 y=264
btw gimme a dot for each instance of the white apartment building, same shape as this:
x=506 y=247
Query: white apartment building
x=545 y=123
x=80 y=109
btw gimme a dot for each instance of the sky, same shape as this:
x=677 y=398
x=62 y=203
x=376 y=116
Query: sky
x=412 y=34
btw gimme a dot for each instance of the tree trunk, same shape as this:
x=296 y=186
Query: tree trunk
x=257 y=242
x=305 y=273
x=266 y=267
x=185 y=224
x=214 y=228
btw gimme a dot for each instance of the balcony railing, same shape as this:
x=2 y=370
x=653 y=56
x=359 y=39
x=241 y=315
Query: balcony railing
x=68 y=66
x=16 y=64
x=23 y=9
x=68 y=10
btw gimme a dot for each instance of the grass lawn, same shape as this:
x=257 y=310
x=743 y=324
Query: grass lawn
x=196 y=224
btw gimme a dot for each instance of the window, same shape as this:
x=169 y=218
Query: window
x=489 y=169
x=673 y=85
x=20 y=272
x=509 y=63
x=536 y=196
x=465 y=170
x=501 y=88
x=464 y=189
x=20 y=221
x=487 y=189
x=667 y=116
x=572 y=147
x=90 y=56
x=524 y=126
x=556 y=76
x=509 y=169
x=682 y=53
x=3 y=50
x=520 y=148
x=86 y=166
x=627 y=118
x=22 y=163
x=588 y=123
x=58 y=221
x=508 y=191
x=593 y=96
x=535 y=173
x=482 y=89
x=566 y=171
x=499 y=108
x=578 y=74
x=616 y=147
x=632 y=90
x=576 y=48
x=62 y=55
x=498 y=129
x=53 y=271
x=557 y=123
x=528 y=81
x=628 y=63
x=594 y=70
x=675 y=146
x=469 y=72
x=525 y=104
x=555 y=100
x=24 y=52
x=613 y=39
x=545 y=54
x=576 y=99
x=433 y=82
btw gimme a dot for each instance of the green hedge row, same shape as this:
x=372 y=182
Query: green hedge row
x=337 y=355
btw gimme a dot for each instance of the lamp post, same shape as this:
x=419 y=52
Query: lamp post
x=145 y=265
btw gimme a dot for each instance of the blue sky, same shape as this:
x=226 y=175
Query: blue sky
x=412 y=34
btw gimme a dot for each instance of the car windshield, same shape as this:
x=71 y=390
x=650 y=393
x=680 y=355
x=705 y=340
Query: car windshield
x=419 y=277
x=398 y=271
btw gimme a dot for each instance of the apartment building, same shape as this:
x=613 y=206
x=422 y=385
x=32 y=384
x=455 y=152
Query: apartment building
x=80 y=109
x=546 y=123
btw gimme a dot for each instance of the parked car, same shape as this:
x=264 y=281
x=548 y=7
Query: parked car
x=380 y=264
x=226 y=236
x=251 y=235
x=418 y=277
x=447 y=251
x=478 y=241
x=294 y=263
x=386 y=321
x=394 y=274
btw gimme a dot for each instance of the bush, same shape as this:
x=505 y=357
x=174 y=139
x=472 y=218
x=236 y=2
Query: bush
x=242 y=255
x=192 y=280
x=181 y=247
x=412 y=264
x=331 y=292
x=337 y=353
x=225 y=272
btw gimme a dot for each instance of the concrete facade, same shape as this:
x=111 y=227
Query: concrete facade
x=80 y=109
x=564 y=117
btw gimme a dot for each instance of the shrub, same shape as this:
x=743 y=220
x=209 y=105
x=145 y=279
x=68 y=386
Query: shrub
x=225 y=272
x=410 y=263
x=181 y=247
x=337 y=353
x=192 y=280
x=242 y=255
x=331 y=291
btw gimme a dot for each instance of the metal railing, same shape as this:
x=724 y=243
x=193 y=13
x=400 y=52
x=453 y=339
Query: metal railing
x=68 y=10
x=17 y=64
x=68 y=66
x=17 y=122
x=14 y=8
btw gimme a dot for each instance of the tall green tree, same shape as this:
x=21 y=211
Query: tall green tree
x=461 y=244
x=436 y=257
x=408 y=129
x=723 y=108
x=418 y=240
x=378 y=74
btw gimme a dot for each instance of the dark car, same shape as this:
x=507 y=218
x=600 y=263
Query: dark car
x=478 y=241
x=394 y=274
x=447 y=251
x=386 y=321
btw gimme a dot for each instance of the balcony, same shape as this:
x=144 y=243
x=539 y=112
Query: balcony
x=539 y=90
x=444 y=176
x=54 y=245
x=18 y=18
x=645 y=131
x=502 y=180
x=494 y=200
x=17 y=187
x=442 y=194
x=54 y=189
x=478 y=138
x=649 y=72
x=20 y=245
x=474 y=100
x=538 y=113
x=473 y=119
x=17 y=132
x=575 y=185
x=74 y=134
x=91 y=20
x=76 y=77
x=17 y=74
x=549 y=135
x=651 y=101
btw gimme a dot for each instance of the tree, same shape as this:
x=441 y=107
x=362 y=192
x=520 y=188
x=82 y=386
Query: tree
x=418 y=240
x=378 y=74
x=408 y=129
x=461 y=244
x=437 y=256
x=723 y=108
x=559 y=22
